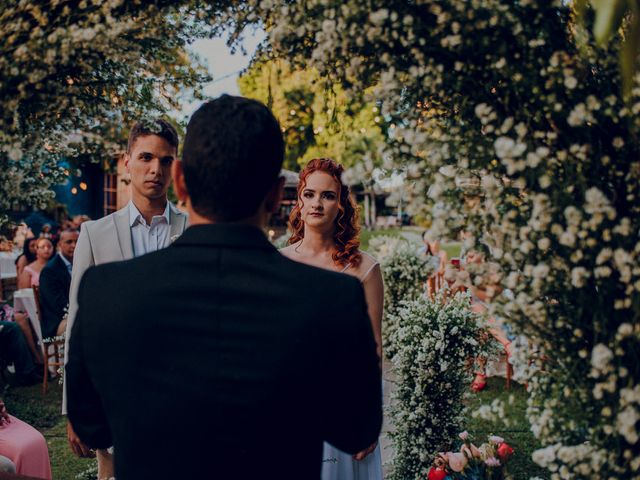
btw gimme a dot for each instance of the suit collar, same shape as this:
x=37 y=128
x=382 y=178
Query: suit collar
x=225 y=235
x=121 y=222
x=177 y=221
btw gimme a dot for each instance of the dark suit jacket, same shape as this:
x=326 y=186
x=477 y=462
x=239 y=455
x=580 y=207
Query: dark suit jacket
x=55 y=281
x=218 y=357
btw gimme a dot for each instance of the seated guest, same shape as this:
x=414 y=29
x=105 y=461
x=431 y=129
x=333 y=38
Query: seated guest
x=14 y=349
x=24 y=446
x=55 y=280
x=27 y=256
x=30 y=276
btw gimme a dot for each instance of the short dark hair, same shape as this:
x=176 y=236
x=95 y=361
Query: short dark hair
x=232 y=155
x=68 y=230
x=158 y=127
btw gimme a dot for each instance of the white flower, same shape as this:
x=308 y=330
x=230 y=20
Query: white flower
x=496 y=439
x=601 y=357
x=570 y=82
x=448 y=171
x=379 y=16
x=618 y=142
x=626 y=424
x=578 y=276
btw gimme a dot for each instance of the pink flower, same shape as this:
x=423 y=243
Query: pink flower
x=475 y=451
x=492 y=462
x=464 y=436
x=457 y=461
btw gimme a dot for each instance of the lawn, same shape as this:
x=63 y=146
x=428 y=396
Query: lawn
x=516 y=433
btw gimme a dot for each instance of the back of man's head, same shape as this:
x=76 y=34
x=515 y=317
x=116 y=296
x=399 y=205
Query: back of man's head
x=232 y=156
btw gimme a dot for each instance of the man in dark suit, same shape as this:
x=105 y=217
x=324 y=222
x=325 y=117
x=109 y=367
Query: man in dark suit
x=55 y=280
x=217 y=357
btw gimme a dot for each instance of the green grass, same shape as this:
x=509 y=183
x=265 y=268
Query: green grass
x=516 y=433
x=452 y=248
x=43 y=413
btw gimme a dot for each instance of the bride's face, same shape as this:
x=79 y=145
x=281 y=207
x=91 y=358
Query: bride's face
x=320 y=201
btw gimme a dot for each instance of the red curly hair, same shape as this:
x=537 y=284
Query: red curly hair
x=347 y=232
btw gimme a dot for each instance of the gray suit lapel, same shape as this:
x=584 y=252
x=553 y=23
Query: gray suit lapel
x=177 y=221
x=121 y=221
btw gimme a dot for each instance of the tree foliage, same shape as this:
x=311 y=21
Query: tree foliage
x=317 y=119
x=74 y=74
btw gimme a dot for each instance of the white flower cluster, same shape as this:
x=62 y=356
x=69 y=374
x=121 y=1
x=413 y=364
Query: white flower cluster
x=404 y=272
x=434 y=342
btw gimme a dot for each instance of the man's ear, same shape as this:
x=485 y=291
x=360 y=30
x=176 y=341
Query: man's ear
x=179 y=184
x=127 y=158
x=274 y=196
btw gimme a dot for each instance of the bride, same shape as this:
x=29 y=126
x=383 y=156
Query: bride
x=325 y=234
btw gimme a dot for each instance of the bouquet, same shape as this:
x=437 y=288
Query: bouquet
x=486 y=462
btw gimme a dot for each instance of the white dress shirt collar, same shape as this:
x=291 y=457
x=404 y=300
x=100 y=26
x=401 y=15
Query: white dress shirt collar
x=136 y=217
x=147 y=238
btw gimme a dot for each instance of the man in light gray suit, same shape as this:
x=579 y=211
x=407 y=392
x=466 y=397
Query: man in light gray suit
x=148 y=223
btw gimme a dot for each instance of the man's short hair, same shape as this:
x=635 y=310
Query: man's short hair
x=232 y=155
x=158 y=127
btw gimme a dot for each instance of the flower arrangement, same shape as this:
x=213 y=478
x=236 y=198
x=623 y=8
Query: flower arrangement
x=404 y=272
x=435 y=343
x=486 y=462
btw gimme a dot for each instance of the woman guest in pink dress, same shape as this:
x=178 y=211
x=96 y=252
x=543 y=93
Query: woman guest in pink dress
x=30 y=276
x=326 y=234
x=24 y=446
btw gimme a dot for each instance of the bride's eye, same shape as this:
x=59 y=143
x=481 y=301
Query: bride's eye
x=307 y=195
x=329 y=195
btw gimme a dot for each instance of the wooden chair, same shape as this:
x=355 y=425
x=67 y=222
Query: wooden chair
x=52 y=349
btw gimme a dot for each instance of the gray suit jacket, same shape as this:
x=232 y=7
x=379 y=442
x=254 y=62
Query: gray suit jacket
x=104 y=241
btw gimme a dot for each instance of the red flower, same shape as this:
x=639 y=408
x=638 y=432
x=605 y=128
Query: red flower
x=504 y=452
x=437 y=474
